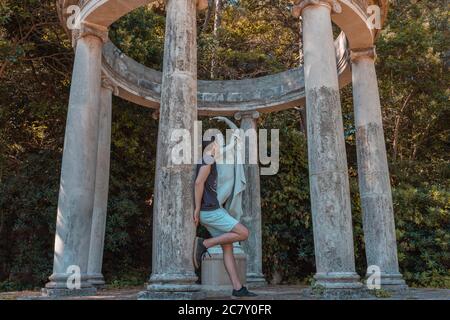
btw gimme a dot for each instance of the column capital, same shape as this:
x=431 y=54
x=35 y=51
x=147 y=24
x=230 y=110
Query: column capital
x=90 y=29
x=252 y=114
x=107 y=83
x=202 y=5
x=363 y=53
x=300 y=5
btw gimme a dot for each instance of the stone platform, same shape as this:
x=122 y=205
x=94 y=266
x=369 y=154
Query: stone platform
x=267 y=293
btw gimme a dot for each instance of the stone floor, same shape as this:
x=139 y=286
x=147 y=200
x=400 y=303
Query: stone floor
x=266 y=293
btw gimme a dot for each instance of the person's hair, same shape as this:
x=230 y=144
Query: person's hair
x=207 y=143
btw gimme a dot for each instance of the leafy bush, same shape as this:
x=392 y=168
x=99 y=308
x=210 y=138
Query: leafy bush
x=423 y=225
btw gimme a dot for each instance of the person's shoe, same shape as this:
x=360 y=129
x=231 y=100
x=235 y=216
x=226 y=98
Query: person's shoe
x=199 y=251
x=242 y=293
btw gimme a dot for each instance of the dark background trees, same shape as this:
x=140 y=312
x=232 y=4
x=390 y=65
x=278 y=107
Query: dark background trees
x=243 y=39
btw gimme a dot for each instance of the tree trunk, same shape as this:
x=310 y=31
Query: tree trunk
x=398 y=121
x=211 y=9
x=217 y=24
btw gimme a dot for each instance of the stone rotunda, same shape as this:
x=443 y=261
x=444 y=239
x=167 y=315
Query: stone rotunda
x=102 y=70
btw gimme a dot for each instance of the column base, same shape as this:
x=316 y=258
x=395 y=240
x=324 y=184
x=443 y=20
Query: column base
x=58 y=287
x=338 y=286
x=55 y=293
x=338 y=280
x=97 y=280
x=172 y=287
x=255 y=280
x=391 y=281
x=172 y=292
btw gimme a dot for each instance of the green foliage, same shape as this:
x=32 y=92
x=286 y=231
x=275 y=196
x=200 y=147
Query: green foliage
x=287 y=225
x=133 y=153
x=127 y=278
x=422 y=215
x=414 y=86
x=141 y=36
x=255 y=38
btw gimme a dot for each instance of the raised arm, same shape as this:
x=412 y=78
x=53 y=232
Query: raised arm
x=199 y=188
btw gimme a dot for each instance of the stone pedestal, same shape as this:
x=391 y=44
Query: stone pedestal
x=373 y=172
x=330 y=192
x=78 y=172
x=214 y=275
x=174 y=231
x=251 y=203
x=101 y=187
x=57 y=287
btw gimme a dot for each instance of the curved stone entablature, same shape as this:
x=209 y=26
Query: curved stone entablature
x=142 y=85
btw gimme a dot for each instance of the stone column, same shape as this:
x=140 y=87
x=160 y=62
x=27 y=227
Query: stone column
x=330 y=192
x=373 y=172
x=76 y=195
x=101 y=186
x=173 y=275
x=251 y=204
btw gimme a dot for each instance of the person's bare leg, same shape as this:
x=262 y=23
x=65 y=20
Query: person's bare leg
x=230 y=266
x=239 y=233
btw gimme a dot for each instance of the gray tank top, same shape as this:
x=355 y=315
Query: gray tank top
x=209 y=199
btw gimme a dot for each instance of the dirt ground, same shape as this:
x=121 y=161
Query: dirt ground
x=265 y=293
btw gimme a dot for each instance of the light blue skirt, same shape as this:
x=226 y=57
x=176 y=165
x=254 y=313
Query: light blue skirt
x=217 y=222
